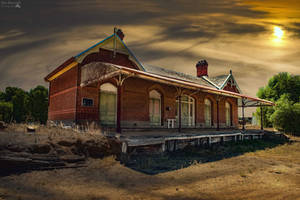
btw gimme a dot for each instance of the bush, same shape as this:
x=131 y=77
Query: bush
x=6 y=111
x=286 y=116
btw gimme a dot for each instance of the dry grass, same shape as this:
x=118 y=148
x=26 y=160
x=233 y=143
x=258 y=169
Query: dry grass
x=17 y=133
x=267 y=174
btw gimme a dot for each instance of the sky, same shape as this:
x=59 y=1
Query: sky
x=255 y=39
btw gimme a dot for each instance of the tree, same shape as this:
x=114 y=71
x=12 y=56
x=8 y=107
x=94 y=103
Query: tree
x=2 y=96
x=18 y=98
x=286 y=116
x=6 y=110
x=20 y=110
x=284 y=90
x=38 y=104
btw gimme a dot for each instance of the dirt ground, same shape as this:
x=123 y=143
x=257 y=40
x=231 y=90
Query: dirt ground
x=273 y=173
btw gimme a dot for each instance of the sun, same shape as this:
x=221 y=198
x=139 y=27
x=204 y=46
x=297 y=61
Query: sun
x=277 y=34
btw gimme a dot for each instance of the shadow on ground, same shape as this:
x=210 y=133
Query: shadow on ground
x=190 y=155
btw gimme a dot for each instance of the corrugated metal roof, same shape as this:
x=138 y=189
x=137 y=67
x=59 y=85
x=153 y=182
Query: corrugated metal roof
x=218 y=80
x=176 y=75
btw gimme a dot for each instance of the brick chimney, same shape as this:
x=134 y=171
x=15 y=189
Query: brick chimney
x=120 y=34
x=202 y=66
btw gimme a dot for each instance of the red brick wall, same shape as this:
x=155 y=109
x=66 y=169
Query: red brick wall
x=231 y=88
x=62 y=98
x=86 y=112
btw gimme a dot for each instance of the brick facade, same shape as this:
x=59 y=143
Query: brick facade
x=66 y=98
x=135 y=104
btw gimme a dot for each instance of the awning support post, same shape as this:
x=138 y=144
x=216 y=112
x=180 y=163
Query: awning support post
x=218 y=115
x=243 y=114
x=179 y=113
x=119 y=94
x=261 y=118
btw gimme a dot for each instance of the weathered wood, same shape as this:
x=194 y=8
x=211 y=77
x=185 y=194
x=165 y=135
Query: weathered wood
x=163 y=147
x=124 y=147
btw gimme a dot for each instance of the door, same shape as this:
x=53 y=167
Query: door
x=108 y=104
x=155 y=108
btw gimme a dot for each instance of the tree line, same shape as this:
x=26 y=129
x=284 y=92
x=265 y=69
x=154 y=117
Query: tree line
x=18 y=105
x=284 y=90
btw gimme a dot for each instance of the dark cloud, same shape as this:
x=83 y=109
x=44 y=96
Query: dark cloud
x=237 y=28
x=294 y=28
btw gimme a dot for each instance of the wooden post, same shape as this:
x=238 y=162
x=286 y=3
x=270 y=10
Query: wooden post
x=163 y=147
x=218 y=122
x=261 y=119
x=179 y=113
x=209 y=141
x=243 y=114
x=124 y=147
x=119 y=95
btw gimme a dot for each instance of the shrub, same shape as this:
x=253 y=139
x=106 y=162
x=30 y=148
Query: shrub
x=286 y=116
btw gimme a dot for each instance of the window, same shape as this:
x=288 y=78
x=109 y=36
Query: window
x=228 y=114
x=108 y=104
x=87 y=102
x=187 y=110
x=155 y=108
x=208 y=112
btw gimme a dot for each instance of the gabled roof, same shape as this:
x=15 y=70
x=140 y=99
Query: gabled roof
x=221 y=81
x=108 y=43
x=112 y=42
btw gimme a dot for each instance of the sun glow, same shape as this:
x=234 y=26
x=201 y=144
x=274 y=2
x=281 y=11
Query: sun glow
x=277 y=34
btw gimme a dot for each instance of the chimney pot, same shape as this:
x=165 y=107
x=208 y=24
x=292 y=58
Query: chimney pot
x=120 y=34
x=202 y=66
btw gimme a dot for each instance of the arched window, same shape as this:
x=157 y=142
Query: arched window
x=155 y=108
x=187 y=110
x=228 y=114
x=208 y=113
x=108 y=104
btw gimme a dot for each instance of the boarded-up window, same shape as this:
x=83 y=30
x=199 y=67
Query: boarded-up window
x=207 y=113
x=108 y=104
x=155 y=108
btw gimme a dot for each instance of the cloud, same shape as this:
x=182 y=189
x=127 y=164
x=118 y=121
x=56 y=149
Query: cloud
x=174 y=34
